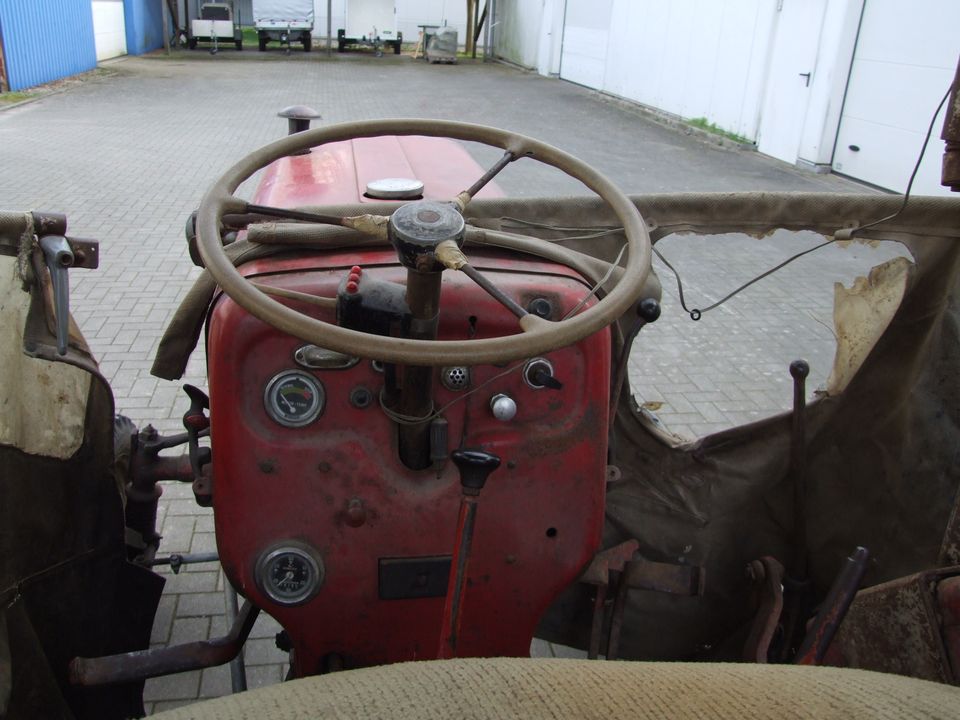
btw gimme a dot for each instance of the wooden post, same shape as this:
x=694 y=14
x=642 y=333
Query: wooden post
x=471 y=19
x=480 y=25
x=4 y=85
x=166 y=26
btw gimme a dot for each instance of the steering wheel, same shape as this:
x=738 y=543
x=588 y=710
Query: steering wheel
x=539 y=336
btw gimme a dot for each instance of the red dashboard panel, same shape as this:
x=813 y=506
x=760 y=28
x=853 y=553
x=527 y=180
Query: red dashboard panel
x=337 y=487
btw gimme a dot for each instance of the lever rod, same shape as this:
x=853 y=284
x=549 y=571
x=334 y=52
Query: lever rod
x=475 y=467
x=59 y=257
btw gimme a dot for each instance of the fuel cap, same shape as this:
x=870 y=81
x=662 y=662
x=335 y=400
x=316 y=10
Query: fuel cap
x=395 y=189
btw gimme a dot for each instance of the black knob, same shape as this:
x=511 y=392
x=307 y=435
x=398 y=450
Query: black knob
x=799 y=369
x=475 y=467
x=649 y=310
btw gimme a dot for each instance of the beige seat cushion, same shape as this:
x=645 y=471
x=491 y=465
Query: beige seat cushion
x=525 y=688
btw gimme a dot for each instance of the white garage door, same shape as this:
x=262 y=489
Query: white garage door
x=109 y=32
x=586 y=33
x=905 y=60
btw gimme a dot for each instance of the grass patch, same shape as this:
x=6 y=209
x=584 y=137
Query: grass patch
x=703 y=124
x=8 y=98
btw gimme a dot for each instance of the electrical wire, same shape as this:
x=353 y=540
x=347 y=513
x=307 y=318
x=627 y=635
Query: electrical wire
x=844 y=234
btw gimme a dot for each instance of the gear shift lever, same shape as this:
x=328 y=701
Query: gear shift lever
x=475 y=467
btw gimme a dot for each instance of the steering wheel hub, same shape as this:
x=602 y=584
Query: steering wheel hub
x=417 y=228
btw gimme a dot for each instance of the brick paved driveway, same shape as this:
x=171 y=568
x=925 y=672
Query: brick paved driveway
x=128 y=153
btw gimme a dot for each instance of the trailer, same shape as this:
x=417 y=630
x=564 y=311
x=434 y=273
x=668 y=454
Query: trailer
x=217 y=24
x=370 y=23
x=284 y=21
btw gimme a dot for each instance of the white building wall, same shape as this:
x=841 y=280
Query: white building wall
x=691 y=58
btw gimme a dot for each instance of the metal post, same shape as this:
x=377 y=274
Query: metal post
x=486 y=31
x=238 y=670
x=329 y=27
x=493 y=23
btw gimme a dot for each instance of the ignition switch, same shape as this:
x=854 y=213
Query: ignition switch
x=538 y=374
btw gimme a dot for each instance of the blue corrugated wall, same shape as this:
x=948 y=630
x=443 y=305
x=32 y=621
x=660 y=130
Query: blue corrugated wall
x=144 y=25
x=45 y=40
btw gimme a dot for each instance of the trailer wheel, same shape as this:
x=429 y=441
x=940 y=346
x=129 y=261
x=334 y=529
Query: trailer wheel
x=192 y=43
x=396 y=47
x=307 y=42
x=341 y=45
x=239 y=44
x=262 y=41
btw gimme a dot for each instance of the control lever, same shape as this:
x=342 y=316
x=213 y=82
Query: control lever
x=475 y=467
x=195 y=421
x=59 y=258
x=539 y=374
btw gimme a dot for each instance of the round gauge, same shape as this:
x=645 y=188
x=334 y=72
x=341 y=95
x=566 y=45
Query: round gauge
x=289 y=575
x=294 y=398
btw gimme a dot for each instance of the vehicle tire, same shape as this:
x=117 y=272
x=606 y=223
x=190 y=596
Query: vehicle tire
x=262 y=41
x=192 y=43
x=396 y=47
x=239 y=44
x=340 y=46
x=307 y=43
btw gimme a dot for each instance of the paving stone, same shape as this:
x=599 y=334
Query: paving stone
x=193 y=582
x=216 y=682
x=163 y=619
x=263 y=652
x=540 y=649
x=163 y=706
x=194 y=604
x=189 y=630
x=182 y=686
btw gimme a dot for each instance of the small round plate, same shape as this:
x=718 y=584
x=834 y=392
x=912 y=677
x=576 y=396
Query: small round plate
x=395 y=189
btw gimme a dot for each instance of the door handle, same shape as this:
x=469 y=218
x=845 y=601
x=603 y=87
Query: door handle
x=806 y=79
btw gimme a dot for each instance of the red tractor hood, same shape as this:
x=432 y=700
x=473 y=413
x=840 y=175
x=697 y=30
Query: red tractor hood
x=338 y=173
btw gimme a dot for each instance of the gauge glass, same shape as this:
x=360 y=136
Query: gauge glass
x=289 y=575
x=294 y=398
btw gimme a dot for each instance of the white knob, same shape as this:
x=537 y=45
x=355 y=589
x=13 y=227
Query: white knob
x=503 y=406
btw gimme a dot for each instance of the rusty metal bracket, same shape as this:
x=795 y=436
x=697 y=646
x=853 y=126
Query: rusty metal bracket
x=767 y=573
x=833 y=610
x=902 y=627
x=631 y=571
x=144 y=664
x=598 y=574
x=644 y=574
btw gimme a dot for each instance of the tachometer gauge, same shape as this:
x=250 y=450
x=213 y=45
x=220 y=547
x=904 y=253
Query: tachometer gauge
x=289 y=575
x=294 y=398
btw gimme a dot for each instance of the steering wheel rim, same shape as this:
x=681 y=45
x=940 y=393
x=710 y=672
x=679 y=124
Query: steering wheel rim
x=538 y=336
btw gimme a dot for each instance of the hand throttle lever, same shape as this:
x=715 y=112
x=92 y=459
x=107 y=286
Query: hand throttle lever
x=59 y=257
x=475 y=467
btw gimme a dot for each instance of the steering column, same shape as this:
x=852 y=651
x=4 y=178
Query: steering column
x=416 y=230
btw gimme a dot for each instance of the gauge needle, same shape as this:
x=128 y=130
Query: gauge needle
x=288 y=404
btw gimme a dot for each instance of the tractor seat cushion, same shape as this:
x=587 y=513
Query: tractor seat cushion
x=528 y=688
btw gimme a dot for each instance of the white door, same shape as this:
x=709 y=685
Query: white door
x=905 y=60
x=109 y=31
x=586 y=31
x=793 y=61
